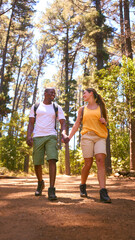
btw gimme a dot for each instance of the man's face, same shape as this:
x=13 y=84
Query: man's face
x=50 y=94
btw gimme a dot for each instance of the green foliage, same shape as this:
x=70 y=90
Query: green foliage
x=13 y=30
x=72 y=30
x=128 y=84
x=13 y=146
x=12 y=153
x=120 y=149
x=117 y=84
x=76 y=162
x=120 y=164
x=61 y=162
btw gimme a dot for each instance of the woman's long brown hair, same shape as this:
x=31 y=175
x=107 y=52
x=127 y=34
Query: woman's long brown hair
x=99 y=101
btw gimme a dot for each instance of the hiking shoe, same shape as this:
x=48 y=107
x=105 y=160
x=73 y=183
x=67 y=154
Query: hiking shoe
x=104 y=196
x=83 y=192
x=51 y=194
x=40 y=188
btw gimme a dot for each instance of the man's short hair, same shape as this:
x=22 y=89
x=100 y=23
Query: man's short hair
x=49 y=88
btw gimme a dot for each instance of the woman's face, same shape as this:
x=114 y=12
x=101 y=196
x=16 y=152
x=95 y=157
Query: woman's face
x=86 y=95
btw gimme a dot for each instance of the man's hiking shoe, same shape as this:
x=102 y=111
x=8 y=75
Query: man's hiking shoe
x=51 y=194
x=40 y=188
x=83 y=192
x=104 y=196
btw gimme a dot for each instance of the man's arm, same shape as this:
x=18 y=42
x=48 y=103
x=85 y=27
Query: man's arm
x=30 y=131
x=63 y=130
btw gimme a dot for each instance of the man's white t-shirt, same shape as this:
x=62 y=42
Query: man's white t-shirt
x=45 y=119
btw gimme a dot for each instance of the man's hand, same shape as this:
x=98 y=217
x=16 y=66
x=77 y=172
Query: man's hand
x=30 y=141
x=65 y=138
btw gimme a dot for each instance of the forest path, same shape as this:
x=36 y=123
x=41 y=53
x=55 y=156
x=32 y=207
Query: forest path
x=26 y=217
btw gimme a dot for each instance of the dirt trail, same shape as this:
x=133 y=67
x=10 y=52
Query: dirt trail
x=26 y=217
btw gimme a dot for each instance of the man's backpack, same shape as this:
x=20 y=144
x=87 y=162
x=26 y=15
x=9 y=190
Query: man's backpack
x=55 y=106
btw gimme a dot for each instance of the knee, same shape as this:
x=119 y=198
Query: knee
x=88 y=164
x=99 y=159
x=100 y=162
x=52 y=162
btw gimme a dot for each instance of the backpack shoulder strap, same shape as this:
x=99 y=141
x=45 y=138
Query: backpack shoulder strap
x=36 y=105
x=101 y=111
x=55 y=106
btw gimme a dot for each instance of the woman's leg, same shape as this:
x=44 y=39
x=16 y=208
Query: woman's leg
x=85 y=170
x=84 y=175
x=100 y=160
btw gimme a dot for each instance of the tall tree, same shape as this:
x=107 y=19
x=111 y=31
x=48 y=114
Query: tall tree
x=64 y=30
x=122 y=37
x=127 y=29
x=98 y=32
x=130 y=98
x=19 y=21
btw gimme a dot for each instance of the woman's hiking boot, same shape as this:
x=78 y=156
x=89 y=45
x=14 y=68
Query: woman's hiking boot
x=51 y=194
x=83 y=192
x=40 y=188
x=104 y=196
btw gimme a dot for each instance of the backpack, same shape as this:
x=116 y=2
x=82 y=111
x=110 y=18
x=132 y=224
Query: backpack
x=55 y=106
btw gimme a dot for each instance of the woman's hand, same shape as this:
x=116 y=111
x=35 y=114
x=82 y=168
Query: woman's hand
x=65 y=138
x=103 y=121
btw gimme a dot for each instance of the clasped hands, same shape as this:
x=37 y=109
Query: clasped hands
x=65 y=138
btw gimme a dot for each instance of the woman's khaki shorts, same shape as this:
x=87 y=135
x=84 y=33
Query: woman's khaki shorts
x=92 y=144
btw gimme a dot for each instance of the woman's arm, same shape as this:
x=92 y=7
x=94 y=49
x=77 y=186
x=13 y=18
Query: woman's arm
x=77 y=123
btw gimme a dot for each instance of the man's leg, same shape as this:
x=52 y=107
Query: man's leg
x=52 y=175
x=40 y=187
x=38 y=160
x=52 y=172
x=38 y=171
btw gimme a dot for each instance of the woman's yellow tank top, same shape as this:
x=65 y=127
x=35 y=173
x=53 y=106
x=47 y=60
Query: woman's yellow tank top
x=91 y=122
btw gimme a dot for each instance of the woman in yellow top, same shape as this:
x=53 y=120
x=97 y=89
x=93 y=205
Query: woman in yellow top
x=93 y=141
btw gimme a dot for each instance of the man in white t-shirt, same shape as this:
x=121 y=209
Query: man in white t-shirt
x=41 y=134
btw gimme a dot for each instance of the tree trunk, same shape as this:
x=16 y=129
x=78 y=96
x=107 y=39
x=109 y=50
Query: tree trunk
x=108 y=158
x=127 y=30
x=122 y=37
x=5 y=49
x=99 y=38
x=17 y=87
x=26 y=163
x=67 y=161
x=99 y=46
x=132 y=145
x=4 y=56
x=42 y=56
x=130 y=55
x=35 y=89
